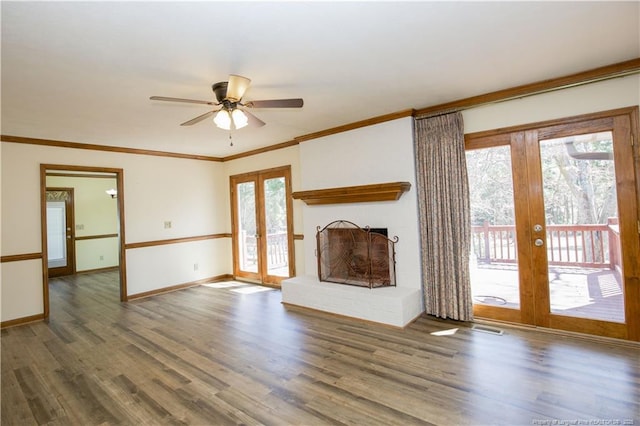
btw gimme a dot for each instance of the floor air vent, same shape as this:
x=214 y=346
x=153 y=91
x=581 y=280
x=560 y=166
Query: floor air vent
x=490 y=330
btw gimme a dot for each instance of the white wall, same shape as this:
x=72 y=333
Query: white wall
x=376 y=154
x=602 y=96
x=98 y=253
x=21 y=293
x=156 y=267
x=192 y=194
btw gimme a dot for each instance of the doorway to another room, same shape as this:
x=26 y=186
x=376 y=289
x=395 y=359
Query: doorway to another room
x=82 y=225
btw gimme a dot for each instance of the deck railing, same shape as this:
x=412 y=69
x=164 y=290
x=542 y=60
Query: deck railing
x=277 y=249
x=591 y=246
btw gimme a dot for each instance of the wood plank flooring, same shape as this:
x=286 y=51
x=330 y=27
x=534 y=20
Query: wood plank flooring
x=218 y=355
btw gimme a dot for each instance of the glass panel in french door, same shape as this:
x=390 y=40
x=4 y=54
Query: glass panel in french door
x=582 y=235
x=275 y=209
x=494 y=262
x=247 y=230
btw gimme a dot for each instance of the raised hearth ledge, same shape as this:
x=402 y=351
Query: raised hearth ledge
x=395 y=306
x=354 y=194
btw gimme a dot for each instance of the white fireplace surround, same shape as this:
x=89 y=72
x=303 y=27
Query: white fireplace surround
x=394 y=306
x=351 y=155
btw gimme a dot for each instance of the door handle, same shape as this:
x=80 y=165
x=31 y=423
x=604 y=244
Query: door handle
x=538 y=242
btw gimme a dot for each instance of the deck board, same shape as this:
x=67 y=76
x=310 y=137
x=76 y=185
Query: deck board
x=579 y=292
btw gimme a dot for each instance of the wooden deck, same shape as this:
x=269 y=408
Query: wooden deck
x=580 y=292
x=231 y=353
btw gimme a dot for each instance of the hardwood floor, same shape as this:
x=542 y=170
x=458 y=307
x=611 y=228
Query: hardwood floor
x=233 y=354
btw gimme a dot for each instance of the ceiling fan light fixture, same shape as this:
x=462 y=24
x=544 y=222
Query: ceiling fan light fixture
x=229 y=96
x=223 y=119
x=239 y=118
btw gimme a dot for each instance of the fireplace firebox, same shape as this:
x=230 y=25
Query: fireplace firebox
x=349 y=254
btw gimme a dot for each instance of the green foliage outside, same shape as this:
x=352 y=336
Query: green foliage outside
x=275 y=206
x=576 y=190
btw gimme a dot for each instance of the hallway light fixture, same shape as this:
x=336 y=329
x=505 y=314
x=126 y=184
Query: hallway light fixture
x=112 y=192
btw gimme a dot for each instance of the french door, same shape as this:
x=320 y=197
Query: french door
x=262 y=225
x=60 y=232
x=555 y=225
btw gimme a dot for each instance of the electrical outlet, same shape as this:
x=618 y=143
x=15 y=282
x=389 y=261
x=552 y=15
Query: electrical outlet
x=101 y=257
x=195 y=266
x=167 y=224
x=79 y=227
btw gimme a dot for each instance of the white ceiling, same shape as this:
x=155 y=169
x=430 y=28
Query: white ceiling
x=84 y=71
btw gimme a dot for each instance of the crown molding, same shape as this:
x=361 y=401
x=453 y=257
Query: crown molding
x=94 y=147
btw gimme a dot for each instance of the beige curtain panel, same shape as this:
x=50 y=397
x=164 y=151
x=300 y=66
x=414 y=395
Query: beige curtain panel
x=445 y=229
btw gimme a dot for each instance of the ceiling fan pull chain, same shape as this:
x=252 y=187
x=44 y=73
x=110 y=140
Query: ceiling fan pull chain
x=230 y=140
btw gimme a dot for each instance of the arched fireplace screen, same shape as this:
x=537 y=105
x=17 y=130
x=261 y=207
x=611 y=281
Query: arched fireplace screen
x=348 y=254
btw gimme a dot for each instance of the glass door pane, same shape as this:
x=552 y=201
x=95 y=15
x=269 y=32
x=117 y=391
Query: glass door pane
x=582 y=235
x=247 y=229
x=275 y=205
x=494 y=261
x=56 y=234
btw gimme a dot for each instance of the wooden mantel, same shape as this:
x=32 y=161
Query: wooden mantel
x=354 y=194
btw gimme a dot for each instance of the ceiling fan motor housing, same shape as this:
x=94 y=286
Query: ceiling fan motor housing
x=220 y=89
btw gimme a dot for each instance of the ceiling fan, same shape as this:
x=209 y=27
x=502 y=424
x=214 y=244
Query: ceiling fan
x=229 y=95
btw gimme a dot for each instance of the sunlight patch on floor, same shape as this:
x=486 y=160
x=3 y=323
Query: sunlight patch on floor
x=226 y=284
x=251 y=289
x=449 y=332
x=239 y=287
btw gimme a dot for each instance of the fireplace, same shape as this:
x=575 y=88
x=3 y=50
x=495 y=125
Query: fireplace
x=349 y=254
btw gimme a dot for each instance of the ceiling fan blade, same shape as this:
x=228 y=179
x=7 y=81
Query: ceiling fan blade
x=189 y=101
x=236 y=87
x=253 y=120
x=199 y=118
x=276 y=103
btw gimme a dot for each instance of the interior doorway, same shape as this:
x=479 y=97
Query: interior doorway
x=83 y=179
x=554 y=225
x=262 y=225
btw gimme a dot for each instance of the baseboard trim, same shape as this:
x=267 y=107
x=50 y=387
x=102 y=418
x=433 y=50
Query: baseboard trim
x=91 y=271
x=21 y=321
x=218 y=278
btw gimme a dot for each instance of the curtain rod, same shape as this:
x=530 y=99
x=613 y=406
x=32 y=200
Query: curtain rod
x=495 y=97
